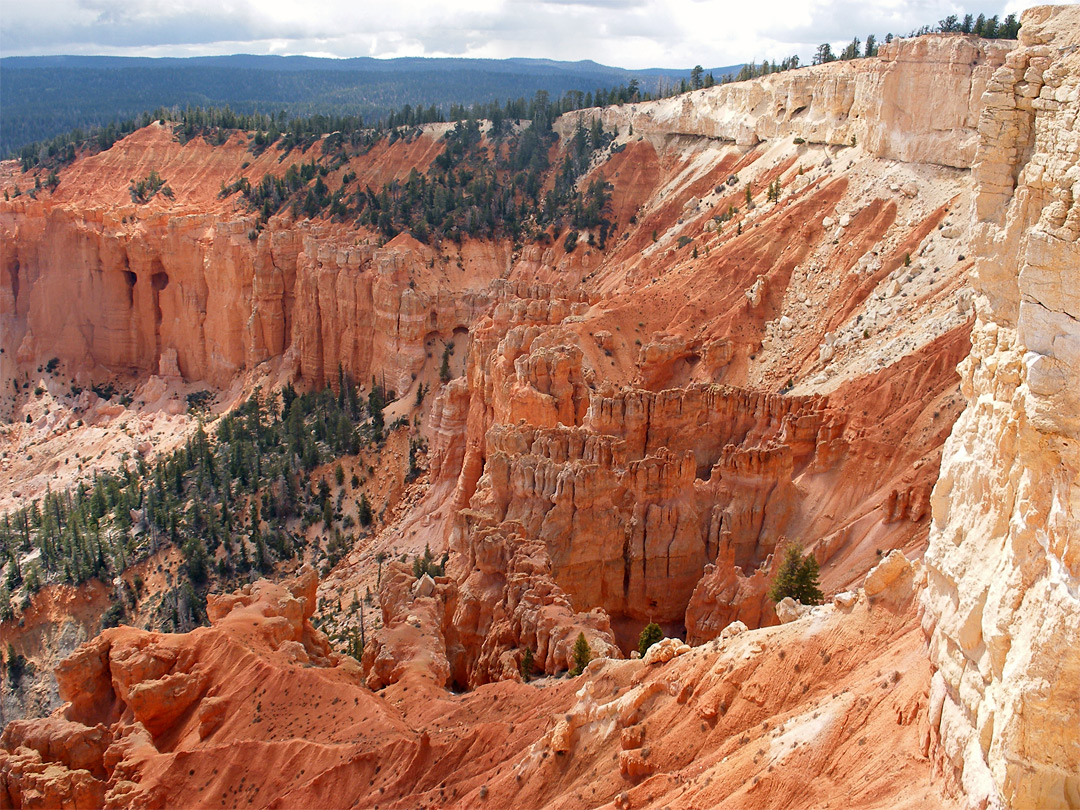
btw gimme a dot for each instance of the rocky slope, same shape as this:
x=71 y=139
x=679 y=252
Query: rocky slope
x=629 y=435
x=255 y=710
x=1004 y=562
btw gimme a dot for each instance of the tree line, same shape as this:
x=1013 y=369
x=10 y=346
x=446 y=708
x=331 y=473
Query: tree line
x=980 y=26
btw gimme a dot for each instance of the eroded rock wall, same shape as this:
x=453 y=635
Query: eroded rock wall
x=1002 y=606
x=115 y=292
x=869 y=100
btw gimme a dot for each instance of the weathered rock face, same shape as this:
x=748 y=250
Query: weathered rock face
x=586 y=506
x=868 y=100
x=633 y=434
x=274 y=722
x=124 y=289
x=1001 y=605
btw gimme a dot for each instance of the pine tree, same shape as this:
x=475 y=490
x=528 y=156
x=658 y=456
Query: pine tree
x=649 y=636
x=582 y=655
x=797 y=578
x=528 y=664
x=364 y=513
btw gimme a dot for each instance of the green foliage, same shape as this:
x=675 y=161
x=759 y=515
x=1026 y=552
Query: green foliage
x=355 y=644
x=753 y=70
x=427 y=565
x=797 y=578
x=416 y=446
x=774 y=190
x=229 y=501
x=146 y=189
x=113 y=616
x=528 y=665
x=364 y=513
x=16 y=666
x=444 y=369
x=649 y=636
x=582 y=655
x=199 y=401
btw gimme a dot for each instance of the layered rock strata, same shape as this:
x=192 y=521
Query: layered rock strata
x=867 y=101
x=1001 y=606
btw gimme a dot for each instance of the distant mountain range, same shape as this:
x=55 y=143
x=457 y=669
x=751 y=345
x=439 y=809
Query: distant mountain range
x=43 y=96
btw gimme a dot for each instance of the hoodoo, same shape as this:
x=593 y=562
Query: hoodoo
x=383 y=501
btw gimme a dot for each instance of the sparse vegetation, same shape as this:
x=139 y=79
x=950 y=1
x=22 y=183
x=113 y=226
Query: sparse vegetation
x=16 y=666
x=233 y=501
x=527 y=665
x=146 y=189
x=427 y=565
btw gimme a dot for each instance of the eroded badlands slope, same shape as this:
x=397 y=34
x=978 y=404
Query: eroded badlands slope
x=629 y=435
x=257 y=711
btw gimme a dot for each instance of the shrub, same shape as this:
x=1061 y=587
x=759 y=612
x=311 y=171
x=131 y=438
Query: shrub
x=649 y=636
x=797 y=578
x=571 y=241
x=113 y=616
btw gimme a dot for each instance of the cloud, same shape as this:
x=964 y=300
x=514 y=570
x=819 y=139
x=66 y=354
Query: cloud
x=628 y=33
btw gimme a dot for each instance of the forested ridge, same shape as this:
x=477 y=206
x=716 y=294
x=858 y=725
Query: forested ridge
x=235 y=501
x=46 y=96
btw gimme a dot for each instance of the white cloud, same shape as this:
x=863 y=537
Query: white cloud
x=628 y=33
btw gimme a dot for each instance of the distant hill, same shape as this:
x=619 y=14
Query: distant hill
x=43 y=96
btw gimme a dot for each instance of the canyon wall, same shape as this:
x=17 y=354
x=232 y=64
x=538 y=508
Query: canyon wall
x=136 y=290
x=917 y=102
x=1002 y=606
x=636 y=429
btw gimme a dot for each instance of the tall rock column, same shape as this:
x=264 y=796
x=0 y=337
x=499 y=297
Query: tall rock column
x=1002 y=604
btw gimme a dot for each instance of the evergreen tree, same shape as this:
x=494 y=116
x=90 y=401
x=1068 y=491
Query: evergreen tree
x=797 y=578
x=649 y=636
x=365 y=514
x=824 y=54
x=582 y=655
x=16 y=666
x=527 y=665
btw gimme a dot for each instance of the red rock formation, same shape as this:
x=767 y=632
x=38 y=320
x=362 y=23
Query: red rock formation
x=632 y=433
x=276 y=723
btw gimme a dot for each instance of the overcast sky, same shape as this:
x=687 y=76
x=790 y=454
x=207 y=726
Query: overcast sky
x=627 y=33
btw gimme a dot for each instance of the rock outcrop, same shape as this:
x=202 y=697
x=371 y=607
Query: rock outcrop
x=1001 y=605
x=628 y=435
x=868 y=102
x=755 y=717
x=123 y=289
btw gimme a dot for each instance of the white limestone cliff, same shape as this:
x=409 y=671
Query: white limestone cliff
x=917 y=102
x=1002 y=604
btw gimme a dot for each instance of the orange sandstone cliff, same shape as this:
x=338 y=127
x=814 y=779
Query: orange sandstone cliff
x=630 y=435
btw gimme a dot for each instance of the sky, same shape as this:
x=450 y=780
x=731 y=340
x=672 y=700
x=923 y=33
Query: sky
x=633 y=34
